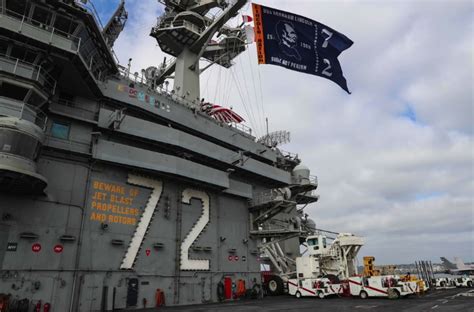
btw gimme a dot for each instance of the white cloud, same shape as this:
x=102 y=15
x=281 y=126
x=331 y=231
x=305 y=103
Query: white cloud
x=135 y=41
x=406 y=185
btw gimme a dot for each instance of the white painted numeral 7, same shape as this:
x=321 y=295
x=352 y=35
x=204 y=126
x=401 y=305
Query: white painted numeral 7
x=326 y=40
x=145 y=220
x=192 y=264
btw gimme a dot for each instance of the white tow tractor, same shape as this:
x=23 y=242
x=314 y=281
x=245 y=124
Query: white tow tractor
x=380 y=286
x=462 y=281
x=441 y=282
x=313 y=287
x=318 y=274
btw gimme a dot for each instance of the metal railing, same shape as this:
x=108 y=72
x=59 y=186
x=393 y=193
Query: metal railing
x=140 y=80
x=76 y=46
x=76 y=41
x=27 y=70
x=188 y=26
x=80 y=111
x=92 y=11
x=24 y=111
x=167 y=20
x=312 y=193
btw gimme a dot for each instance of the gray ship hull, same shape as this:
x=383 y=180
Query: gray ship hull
x=49 y=275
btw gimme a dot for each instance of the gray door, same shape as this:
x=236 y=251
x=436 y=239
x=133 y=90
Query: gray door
x=132 y=292
x=4 y=229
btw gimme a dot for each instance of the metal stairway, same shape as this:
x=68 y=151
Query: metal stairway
x=283 y=264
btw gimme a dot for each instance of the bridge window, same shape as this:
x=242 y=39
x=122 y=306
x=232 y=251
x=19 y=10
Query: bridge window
x=13 y=91
x=18 y=143
x=18 y=7
x=60 y=130
x=64 y=24
x=23 y=54
x=3 y=47
x=41 y=17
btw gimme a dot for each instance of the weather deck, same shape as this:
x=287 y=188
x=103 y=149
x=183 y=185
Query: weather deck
x=448 y=300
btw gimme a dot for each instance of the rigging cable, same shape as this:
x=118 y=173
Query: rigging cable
x=206 y=86
x=257 y=124
x=217 y=89
x=250 y=116
x=245 y=96
x=229 y=92
x=226 y=95
x=262 y=117
x=259 y=104
x=261 y=94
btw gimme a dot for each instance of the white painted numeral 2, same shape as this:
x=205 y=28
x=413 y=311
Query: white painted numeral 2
x=194 y=264
x=326 y=71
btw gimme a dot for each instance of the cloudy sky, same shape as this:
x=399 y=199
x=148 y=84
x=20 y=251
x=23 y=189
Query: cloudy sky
x=395 y=159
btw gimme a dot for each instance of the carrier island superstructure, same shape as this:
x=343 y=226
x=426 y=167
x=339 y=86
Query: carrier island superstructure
x=112 y=186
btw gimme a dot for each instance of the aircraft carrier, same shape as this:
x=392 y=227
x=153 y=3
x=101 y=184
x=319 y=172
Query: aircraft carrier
x=116 y=192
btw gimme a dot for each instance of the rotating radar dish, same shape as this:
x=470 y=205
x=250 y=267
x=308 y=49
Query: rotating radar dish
x=150 y=73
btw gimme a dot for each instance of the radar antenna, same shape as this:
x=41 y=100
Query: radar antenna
x=275 y=138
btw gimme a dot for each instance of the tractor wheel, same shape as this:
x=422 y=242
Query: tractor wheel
x=393 y=294
x=298 y=295
x=275 y=286
x=363 y=295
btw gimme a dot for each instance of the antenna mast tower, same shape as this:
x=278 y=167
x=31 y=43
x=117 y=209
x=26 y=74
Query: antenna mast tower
x=185 y=31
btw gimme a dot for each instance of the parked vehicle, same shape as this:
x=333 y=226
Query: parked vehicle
x=462 y=281
x=380 y=286
x=313 y=287
x=442 y=282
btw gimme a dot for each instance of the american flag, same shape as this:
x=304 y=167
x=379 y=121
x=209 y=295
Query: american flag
x=222 y=114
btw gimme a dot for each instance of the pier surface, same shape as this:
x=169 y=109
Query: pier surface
x=446 y=300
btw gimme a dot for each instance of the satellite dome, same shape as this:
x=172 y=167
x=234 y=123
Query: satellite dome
x=300 y=167
x=301 y=174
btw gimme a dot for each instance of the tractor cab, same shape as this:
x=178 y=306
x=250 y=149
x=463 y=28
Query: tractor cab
x=317 y=245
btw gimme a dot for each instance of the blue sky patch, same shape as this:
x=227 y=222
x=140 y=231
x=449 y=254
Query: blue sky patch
x=104 y=8
x=409 y=113
x=425 y=196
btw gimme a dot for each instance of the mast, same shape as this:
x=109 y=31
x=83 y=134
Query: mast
x=115 y=25
x=185 y=30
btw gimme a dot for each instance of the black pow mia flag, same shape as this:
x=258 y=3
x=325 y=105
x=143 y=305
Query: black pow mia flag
x=299 y=43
